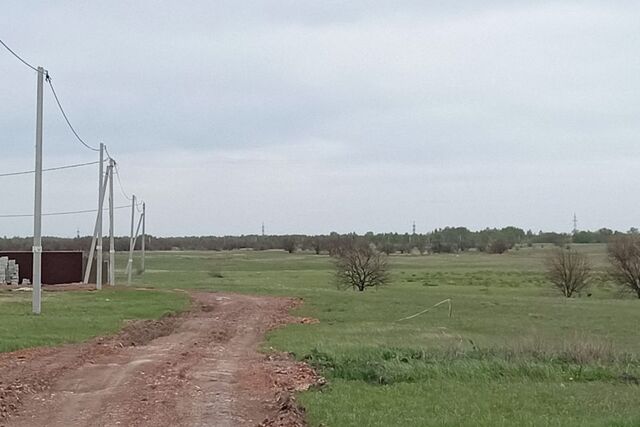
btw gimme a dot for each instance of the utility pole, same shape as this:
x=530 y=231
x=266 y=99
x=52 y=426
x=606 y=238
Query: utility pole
x=99 y=230
x=144 y=234
x=37 y=205
x=131 y=241
x=87 y=271
x=134 y=240
x=112 y=247
x=135 y=236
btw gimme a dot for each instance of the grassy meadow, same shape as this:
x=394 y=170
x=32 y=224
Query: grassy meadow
x=514 y=352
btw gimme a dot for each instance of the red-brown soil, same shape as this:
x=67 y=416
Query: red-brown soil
x=202 y=368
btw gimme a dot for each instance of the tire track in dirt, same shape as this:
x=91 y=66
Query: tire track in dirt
x=206 y=372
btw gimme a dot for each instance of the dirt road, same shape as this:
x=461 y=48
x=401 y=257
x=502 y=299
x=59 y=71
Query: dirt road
x=200 y=369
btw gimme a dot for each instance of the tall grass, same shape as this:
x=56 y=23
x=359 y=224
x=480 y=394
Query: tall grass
x=529 y=359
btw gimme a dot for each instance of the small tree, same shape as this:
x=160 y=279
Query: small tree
x=317 y=245
x=421 y=244
x=497 y=247
x=569 y=271
x=359 y=266
x=289 y=244
x=624 y=254
x=388 y=248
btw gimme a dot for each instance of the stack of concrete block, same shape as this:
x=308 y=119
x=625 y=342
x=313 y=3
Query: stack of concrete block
x=13 y=272
x=4 y=263
x=9 y=271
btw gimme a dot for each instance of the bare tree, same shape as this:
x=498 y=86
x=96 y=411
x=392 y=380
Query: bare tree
x=289 y=244
x=624 y=254
x=569 y=271
x=359 y=266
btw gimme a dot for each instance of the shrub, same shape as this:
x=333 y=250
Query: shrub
x=498 y=247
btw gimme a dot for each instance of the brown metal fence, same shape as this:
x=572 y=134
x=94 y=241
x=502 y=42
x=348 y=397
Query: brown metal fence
x=57 y=267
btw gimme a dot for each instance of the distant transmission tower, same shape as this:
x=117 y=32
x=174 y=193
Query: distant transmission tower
x=413 y=232
x=575 y=224
x=263 y=229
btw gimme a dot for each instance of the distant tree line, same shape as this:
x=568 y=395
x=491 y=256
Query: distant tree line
x=442 y=240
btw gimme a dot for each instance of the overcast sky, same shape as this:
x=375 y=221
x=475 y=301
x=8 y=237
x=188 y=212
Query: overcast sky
x=319 y=116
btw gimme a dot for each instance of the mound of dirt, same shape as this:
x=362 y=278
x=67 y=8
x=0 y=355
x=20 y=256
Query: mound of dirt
x=142 y=332
x=289 y=414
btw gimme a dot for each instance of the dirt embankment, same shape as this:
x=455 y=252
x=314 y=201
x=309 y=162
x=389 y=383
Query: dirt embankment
x=199 y=369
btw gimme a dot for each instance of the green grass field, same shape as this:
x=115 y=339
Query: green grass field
x=514 y=353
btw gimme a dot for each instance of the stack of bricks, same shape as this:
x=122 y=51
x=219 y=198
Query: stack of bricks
x=9 y=271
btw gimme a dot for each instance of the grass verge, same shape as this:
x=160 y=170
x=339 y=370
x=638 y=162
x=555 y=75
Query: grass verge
x=69 y=317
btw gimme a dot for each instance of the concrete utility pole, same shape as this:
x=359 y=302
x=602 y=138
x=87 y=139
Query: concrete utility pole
x=131 y=241
x=37 y=205
x=135 y=236
x=99 y=230
x=144 y=234
x=112 y=247
x=133 y=244
x=87 y=271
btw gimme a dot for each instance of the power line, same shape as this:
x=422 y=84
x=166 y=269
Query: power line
x=109 y=155
x=55 y=95
x=77 y=165
x=75 y=133
x=117 y=171
x=61 y=213
x=124 y=193
x=66 y=118
x=18 y=56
